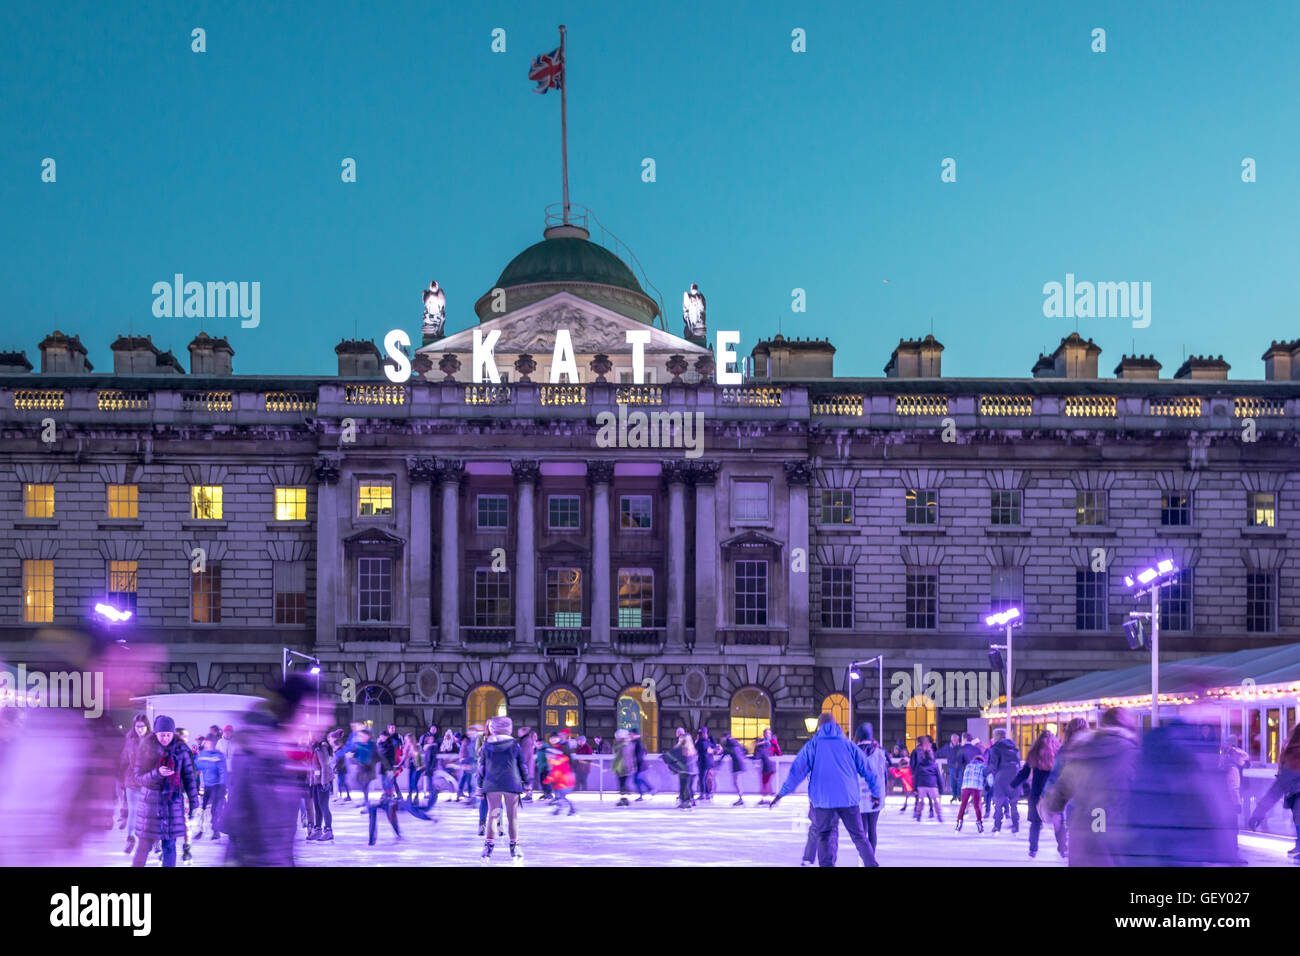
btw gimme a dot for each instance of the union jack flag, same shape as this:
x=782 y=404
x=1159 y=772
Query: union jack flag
x=548 y=71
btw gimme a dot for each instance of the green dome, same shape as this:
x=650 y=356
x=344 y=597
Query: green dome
x=568 y=259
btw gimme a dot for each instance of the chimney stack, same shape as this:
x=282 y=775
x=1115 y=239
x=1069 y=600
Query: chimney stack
x=1075 y=357
x=14 y=363
x=1204 y=368
x=1282 y=362
x=62 y=353
x=209 y=356
x=915 y=358
x=137 y=355
x=1138 y=367
x=780 y=357
x=358 y=358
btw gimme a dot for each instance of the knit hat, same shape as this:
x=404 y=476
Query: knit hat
x=162 y=724
x=681 y=731
x=500 y=726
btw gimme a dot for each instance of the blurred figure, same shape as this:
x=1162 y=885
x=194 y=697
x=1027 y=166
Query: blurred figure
x=321 y=781
x=1179 y=811
x=164 y=770
x=126 y=765
x=636 y=766
x=1037 y=769
x=1095 y=780
x=869 y=807
x=262 y=809
x=559 y=775
x=1003 y=764
x=766 y=749
x=734 y=753
x=211 y=765
x=1232 y=761
x=951 y=752
x=678 y=760
x=1285 y=787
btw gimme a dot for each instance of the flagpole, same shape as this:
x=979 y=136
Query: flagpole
x=564 y=122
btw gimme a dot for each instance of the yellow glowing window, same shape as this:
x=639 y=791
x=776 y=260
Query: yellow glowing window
x=484 y=701
x=38 y=592
x=751 y=713
x=920 y=720
x=38 y=501
x=123 y=501
x=837 y=705
x=375 y=499
x=122 y=584
x=205 y=502
x=290 y=504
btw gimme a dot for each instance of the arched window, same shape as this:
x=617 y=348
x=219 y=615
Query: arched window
x=751 y=711
x=920 y=719
x=838 y=707
x=374 y=707
x=561 y=708
x=483 y=702
x=638 y=710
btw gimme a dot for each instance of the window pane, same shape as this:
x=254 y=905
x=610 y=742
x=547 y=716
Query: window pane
x=749 y=500
x=1090 y=601
x=38 y=592
x=564 y=597
x=205 y=594
x=206 y=502
x=290 y=587
x=375 y=498
x=1176 y=602
x=635 y=597
x=1005 y=508
x=635 y=512
x=375 y=589
x=751 y=714
x=493 y=511
x=491 y=598
x=122 y=585
x=837 y=507
x=922 y=611
x=751 y=593
x=123 y=501
x=837 y=597
x=38 y=501
x=563 y=512
x=1261 y=509
x=1176 y=509
x=290 y=504
x=921 y=506
x=1261 y=601
x=1090 y=508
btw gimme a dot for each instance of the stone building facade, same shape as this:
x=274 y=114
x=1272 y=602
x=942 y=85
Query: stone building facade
x=448 y=548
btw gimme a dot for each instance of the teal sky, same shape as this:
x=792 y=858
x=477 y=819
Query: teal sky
x=775 y=170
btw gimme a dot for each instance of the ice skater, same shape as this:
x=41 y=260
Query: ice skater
x=679 y=760
x=972 y=785
x=766 y=749
x=164 y=771
x=1003 y=766
x=559 y=774
x=926 y=778
x=501 y=773
x=734 y=753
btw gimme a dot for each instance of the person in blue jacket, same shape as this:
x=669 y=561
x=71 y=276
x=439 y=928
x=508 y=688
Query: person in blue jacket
x=211 y=765
x=832 y=765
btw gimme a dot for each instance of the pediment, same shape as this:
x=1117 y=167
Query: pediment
x=375 y=536
x=752 y=540
x=593 y=329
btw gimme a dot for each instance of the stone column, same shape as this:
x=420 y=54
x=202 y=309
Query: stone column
x=421 y=473
x=329 y=551
x=704 y=475
x=527 y=472
x=600 y=474
x=674 y=476
x=798 y=474
x=449 y=472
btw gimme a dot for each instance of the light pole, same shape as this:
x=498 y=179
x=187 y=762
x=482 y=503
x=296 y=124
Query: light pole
x=879 y=661
x=1150 y=581
x=314 y=670
x=1008 y=619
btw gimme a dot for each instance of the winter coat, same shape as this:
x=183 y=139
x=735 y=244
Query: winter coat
x=162 y=815
x=765 y=750
x=677 y=761
x=1037 y=781
x=704 y=748
x=1285 y=787
x=559 y=773
x=261 y=818
x=637 y=763
x=323 y=770
x=735 y=752
x=962 y=758
x=972 y=775
x=126 y=763
x=1232 y=762
x=211 y=765
x=501 y=767
x=1003 y=762
x=832 y=764
x=1096 y=775
x=925 y=769
x=878 y=761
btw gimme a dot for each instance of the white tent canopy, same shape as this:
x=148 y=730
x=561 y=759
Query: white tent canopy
x=197 y=712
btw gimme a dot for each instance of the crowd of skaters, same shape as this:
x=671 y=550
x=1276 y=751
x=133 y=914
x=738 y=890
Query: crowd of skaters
x=1171 y=796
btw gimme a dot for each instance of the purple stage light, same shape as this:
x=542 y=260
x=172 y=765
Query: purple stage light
x=110 y=613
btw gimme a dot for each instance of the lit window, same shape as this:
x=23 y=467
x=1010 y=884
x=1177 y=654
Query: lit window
x=289 y=582
x=493 y=512
x=290 y=504
x=123 y=501
x=1004 y=508
x=1176 y=509
x=122 y=583
x=1261 y=509
x=751 y=593
x=920 y=720
x=560 y=710
x=374 y=589
x=837 y=598
x=636 y=588
x=205 y=594
x=38 y=592
x=922 y=610
x=375 y=498
x=635 y=512
x=1090 y=508
x=837 y=705
x=837 y=507
x=1090 y=601
x=205 y=502
x=38 y=501
x=564 y=597
x=749 y=501
x=482 y=703
x=922 y=506
x=639 y=713
x=751 y=714
x=491 y=598
x=563 y=512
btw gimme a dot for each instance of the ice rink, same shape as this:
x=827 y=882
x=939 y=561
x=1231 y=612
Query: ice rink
x=655 y=834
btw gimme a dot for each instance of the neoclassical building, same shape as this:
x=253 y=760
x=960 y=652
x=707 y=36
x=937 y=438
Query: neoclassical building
x=452 y=549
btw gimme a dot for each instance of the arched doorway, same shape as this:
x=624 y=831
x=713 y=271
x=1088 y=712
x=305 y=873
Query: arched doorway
x=751 y=711
x=638 y=710
x=920 y=719
x=837 y=705
x=483 y=702
x=561 y=709
x=374 y=707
